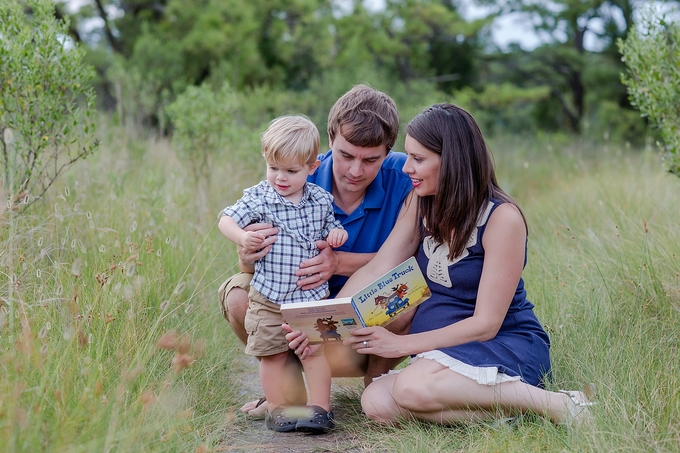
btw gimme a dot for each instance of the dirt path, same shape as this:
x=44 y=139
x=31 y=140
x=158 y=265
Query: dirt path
x=247 y=435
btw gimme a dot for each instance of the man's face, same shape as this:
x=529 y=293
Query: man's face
x=355 y=167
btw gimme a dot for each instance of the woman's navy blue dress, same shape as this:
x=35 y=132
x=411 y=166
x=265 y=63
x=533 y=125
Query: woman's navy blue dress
x=520 y=350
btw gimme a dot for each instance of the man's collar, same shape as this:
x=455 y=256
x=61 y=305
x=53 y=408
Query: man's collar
x=324 y=174
x=375 y=193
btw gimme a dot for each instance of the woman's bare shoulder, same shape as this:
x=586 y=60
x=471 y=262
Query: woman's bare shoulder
x=506 y=219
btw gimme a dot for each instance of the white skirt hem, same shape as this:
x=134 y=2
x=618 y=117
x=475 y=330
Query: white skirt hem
x=481 y=375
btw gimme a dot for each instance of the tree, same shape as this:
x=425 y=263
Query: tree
x=413 y=39
x=46 y=104
x=563 y=63
x=650 y=52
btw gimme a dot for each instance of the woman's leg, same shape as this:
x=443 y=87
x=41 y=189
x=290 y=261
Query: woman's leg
x=430 y=391
x=379 y=404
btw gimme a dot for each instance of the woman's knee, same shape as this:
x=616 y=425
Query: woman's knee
x=378 y=404
x=412 y=395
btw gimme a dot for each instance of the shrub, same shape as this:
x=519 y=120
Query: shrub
x=203 y=123
x=651 y=55
x=46 y=105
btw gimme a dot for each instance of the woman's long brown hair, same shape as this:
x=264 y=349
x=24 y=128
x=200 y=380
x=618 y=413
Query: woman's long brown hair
x=467 y=180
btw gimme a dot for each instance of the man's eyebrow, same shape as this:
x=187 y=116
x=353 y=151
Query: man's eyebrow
x=348 y=154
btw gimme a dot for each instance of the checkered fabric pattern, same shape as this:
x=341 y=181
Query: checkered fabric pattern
x=299 y=226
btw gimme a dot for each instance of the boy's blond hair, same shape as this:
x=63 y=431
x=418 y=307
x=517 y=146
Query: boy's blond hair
x=291 y=138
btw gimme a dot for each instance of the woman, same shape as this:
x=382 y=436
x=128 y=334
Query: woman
x=476 y=345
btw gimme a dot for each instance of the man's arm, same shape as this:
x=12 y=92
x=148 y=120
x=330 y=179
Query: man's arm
x=348 y=262
x=329 y=262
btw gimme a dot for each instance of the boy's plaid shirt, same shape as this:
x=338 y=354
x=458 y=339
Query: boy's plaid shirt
x=299 y=226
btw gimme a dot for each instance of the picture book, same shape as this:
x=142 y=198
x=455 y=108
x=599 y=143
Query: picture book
x=396 y=292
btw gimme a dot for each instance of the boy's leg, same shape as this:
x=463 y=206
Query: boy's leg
x=318 y=377
x=266 y=339
x=276 y=381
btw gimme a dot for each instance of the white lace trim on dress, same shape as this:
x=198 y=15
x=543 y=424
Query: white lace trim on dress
x=480 y=374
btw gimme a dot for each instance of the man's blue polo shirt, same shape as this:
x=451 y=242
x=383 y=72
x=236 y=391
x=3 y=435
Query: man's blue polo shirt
x=371 y=222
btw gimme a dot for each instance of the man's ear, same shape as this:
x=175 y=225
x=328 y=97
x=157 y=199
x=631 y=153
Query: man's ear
x=314 y=166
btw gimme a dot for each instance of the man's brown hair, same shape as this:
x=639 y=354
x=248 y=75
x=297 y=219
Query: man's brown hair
x=365 y=117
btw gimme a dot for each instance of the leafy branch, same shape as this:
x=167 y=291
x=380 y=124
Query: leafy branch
x=46 y=104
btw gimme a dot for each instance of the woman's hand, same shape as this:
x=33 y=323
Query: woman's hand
x=298 y=342
x=377 y=341
x=317 y=270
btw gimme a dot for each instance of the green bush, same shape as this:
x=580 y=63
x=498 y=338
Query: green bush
x=46 y=104
x=651 y=55
x=203 y=126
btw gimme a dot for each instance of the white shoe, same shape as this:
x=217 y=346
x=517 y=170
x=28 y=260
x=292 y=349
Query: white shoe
x=578 y=407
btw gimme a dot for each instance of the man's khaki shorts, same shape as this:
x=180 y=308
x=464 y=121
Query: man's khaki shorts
x=240 y=280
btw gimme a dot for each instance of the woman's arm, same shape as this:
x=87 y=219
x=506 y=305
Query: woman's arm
x=504 y=246
x=401 y=244
x=330 y=262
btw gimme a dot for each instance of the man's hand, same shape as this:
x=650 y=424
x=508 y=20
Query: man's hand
x=248 y=256
x=317 y=270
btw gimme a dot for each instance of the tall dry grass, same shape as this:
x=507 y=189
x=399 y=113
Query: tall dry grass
x=111 y=338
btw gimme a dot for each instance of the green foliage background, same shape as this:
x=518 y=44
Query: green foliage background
x=310 y=51
x=653 y=78
x=110 y=334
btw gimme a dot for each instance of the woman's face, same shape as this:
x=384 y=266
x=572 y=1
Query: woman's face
x=422 y=165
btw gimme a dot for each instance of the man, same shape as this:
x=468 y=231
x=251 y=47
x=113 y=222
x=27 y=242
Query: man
x=369 y=190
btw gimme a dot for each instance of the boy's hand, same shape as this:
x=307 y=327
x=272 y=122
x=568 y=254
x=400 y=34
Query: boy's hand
x=252 y=240
x=337 y=237
x=298 y=342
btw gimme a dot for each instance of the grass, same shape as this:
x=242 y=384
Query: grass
x=111 y=338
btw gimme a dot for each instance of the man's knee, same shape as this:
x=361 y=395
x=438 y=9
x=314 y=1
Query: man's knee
x=233 y=297
x=236 y=305
x=345 y=361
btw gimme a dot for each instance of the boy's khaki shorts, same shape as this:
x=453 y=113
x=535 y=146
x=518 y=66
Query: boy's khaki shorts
x=263 y=318
x=263 y=325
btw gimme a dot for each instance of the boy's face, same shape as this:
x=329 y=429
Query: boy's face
x=288 y=178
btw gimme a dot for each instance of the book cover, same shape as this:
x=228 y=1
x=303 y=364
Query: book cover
x=394 y=293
